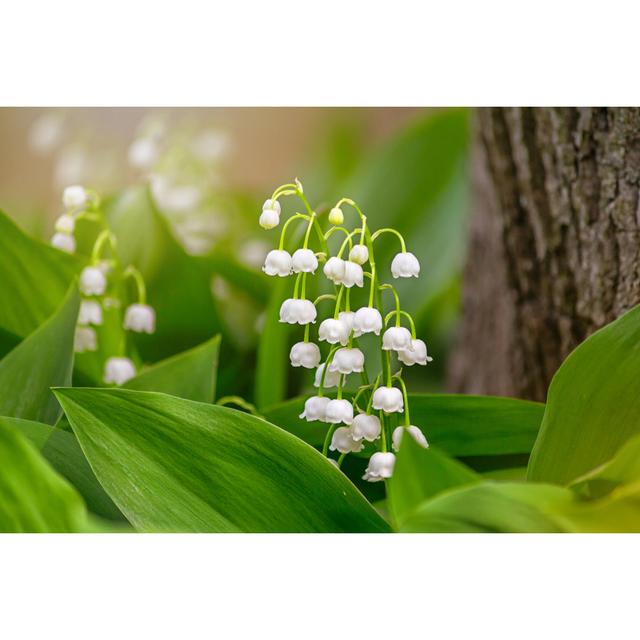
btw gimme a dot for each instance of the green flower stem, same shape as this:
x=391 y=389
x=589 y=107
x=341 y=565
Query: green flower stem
x=324 y=296
x=387 y=358
x=347 y=301
x=375 y=385
x=379 y=232
x=307 y=328
x=285 y=226
x=383 y=432
x=132 y=272
x=407 y=418
x=341 y=380
x=327 y=439
x=296 y=286
x=303 y=293
x=309 y=227
x=331 y=231
x=348 y=240
x=284 y=189
x=390 y=287
x=406 y=315
x=324 y=371
x=341 y=458
x=103 y=237
x=338 y=300
x=240 y=402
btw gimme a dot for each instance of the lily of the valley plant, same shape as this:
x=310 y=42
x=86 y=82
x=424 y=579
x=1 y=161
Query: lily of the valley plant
x=378 y=411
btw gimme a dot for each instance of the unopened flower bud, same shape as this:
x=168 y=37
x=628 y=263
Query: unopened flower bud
x=65 y=224
x=336 y=216
x=359 y=254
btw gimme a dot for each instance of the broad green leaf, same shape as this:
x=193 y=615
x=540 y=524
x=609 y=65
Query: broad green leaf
x=273 y=362
x=592 y=407
x=176 y=465
x=623 y=468
x=178 y=285
x=459 y=425
x=40 y=361
x=34 y=279
x=190 y=375
x=33 y=497
x=63 y=453
x=499 y=507
x=420 y=474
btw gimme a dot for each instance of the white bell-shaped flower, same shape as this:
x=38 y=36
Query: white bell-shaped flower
x=143 y=153
x=388 y=399
x=347 y=361
x=367 y=320
x=92 y=281
x=118 y=371
x=342 y=441
x=85 y=339
x=140 y=318
x=380 y=466
x=90 y=312
x=334 y=269
x=304 y=261
x=294 y=311
x=359 y=254
x=336 y=216
x=64 y=242
x=366 y=427
x=75 y=197
x=331 y=379
x=416 y=355
x=305 y=354
x=353 y=274
x=333 y=330
x=396 y=339
x=414 y=432
x=339 y=411
x=65 y=224
x=315 y=408
x=347 y=318
x=270 y=216
x=405 y=265
x=277 y=263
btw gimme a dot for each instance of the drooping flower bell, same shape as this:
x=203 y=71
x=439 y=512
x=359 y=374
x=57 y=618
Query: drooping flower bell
x=416 y=355
x=342 y=441
x=347 y=318
x=347 y=361
x=331 y=378
x=305 y=354
x=366 y=427
x=90 y=313
x=293 y=311
x=75 y=197
x=405 y=265
x=277 y=263
x=367 y=320
x=304 y=261
x=334 y=269
x=334 y=330
x=388 y=399
x=64 y=242
x=315 y=408
x=353 y=274
x=380 y=466
x=359 y=254
x=414 y=432
x=92 y=281
x=336 y=216
x=270 y=216
x=85 y=339
x=396 y=339
x=118 y=370
x=339 y=411
x=65 y=224
x=140 y=318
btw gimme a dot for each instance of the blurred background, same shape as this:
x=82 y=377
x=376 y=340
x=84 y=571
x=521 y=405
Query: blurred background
x=209 y=171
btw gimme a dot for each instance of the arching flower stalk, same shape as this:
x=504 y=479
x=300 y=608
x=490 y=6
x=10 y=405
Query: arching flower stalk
x=104 y=287
x=373 y=413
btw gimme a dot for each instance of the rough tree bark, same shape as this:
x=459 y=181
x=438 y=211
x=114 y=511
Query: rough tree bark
x=555 y=242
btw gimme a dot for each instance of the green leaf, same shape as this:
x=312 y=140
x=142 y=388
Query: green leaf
x=420 y=474
x=623 y=468
x=459 y=425
x=492 y=507
x=190 y=375
x=33 y=498
x=273 y=364
x=178 y=285
x=177 y=465
x=592 y=407
x=40 y=361
x=35 y=278
x=63 y=453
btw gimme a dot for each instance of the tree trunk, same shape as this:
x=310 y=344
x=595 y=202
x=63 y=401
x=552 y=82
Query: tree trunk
x=555 y=242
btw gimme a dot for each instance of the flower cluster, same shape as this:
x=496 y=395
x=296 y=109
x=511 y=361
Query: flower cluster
x=371 y=414
x=102 y=285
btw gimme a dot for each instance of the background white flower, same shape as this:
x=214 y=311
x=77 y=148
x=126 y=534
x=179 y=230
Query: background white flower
x=118 y=370
x=92 y=281
x=140 y=318
x=90 y=312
